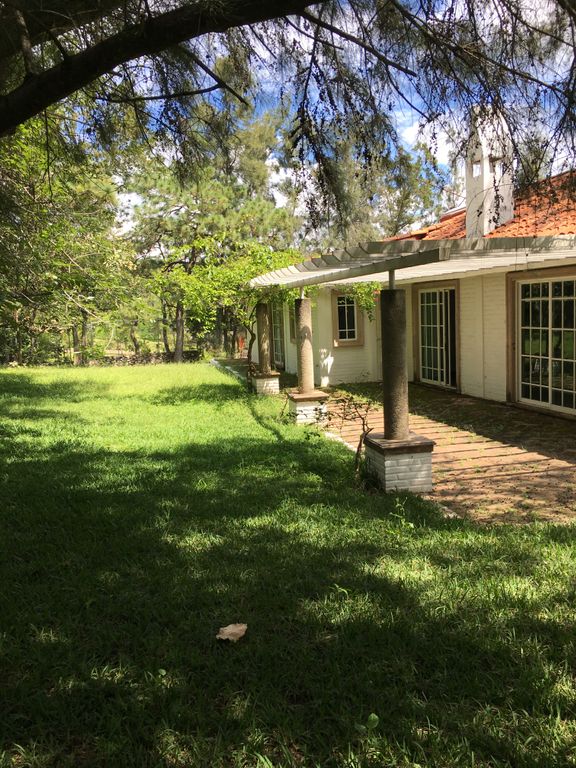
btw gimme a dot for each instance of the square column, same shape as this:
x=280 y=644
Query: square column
x=400 y=465
x=398 y=459
x=308 y=408
x=266 y=383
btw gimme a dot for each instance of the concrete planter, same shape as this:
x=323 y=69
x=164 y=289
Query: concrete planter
x=308 y=408
x=266 y=383
x=400 y=465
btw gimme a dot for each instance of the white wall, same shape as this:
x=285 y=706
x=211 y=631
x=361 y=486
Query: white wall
x=495 y=336
x=335 y=365
x=471 y=337
x=482 y=341
x=483 y=336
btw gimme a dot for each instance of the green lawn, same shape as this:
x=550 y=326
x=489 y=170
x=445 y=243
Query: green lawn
x=143 y=508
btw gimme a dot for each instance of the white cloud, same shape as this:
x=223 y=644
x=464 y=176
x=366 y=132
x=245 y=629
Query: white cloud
x=433 y=137
x=128 y=201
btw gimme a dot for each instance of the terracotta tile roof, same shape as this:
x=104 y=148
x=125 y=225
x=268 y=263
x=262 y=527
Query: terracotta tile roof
x=548 y=208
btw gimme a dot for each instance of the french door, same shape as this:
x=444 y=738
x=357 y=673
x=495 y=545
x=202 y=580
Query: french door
x=437 y=336
x=546 y=343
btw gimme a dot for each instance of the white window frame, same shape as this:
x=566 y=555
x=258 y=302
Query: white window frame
x=358 y=339
x=442 y=326
x=550 y=330
x=345 y=330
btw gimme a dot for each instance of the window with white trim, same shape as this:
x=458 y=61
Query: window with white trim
x=347 y=318
x=347 y=321
x=546 y=344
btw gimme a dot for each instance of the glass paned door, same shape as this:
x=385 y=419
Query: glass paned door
x=437 y=310
x=278 y=355
x=547 y=350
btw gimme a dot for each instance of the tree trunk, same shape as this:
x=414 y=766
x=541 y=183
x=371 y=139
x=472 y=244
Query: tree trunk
x=251 y=343
x=219 y=331
x=179 y=342
x=134 y=338
x=40 y=90
x=234 y=344
x=77 y=351
x=165 y=339
x=19 y=358
x=18 y=337
x=84 y=338
x=33 y=334
x=228 y=333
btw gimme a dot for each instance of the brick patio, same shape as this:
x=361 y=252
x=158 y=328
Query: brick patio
x=493 y=463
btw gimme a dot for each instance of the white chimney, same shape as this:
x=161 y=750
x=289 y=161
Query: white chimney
x=489 y=177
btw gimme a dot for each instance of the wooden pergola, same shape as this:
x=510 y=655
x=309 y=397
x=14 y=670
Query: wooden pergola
x=396 y=262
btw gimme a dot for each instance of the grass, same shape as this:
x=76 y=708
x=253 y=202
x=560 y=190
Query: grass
x=143 y=508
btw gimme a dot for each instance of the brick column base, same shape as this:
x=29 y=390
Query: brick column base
x=400 y=465
x=266 y=383
x=308 y=407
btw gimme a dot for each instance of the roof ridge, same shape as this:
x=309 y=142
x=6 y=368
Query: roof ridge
x=531 y=217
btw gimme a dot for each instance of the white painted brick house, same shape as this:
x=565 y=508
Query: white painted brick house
x=490 y=296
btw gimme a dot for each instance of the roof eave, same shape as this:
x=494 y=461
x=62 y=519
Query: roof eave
x=374 y=258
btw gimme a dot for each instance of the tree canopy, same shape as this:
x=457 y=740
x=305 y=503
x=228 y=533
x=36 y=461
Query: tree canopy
x=346 y=66
x=60 y=265
x=217 y=94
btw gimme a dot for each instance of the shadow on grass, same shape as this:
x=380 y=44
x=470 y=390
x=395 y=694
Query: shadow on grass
x=23 y=400
x=216 y=394
x=17 y=387
x=117 y=570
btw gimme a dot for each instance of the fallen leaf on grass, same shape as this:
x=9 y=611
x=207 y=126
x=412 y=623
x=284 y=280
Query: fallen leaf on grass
x=232 y=632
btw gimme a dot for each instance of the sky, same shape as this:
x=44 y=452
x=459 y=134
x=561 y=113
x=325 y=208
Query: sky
x=407 y=121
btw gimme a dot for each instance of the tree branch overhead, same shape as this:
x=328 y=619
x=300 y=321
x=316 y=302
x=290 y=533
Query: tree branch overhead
x=150 y=36
x=344 y=66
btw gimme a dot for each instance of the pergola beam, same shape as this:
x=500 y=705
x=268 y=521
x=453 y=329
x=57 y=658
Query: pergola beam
x=334 y=273
x=373 y=258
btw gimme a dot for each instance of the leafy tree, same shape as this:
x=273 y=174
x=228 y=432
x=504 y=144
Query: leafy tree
x=220 y=287
x=193 y=227
x=410 y=194
x=400 y=191
x=347 y=67
x=59 y=264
